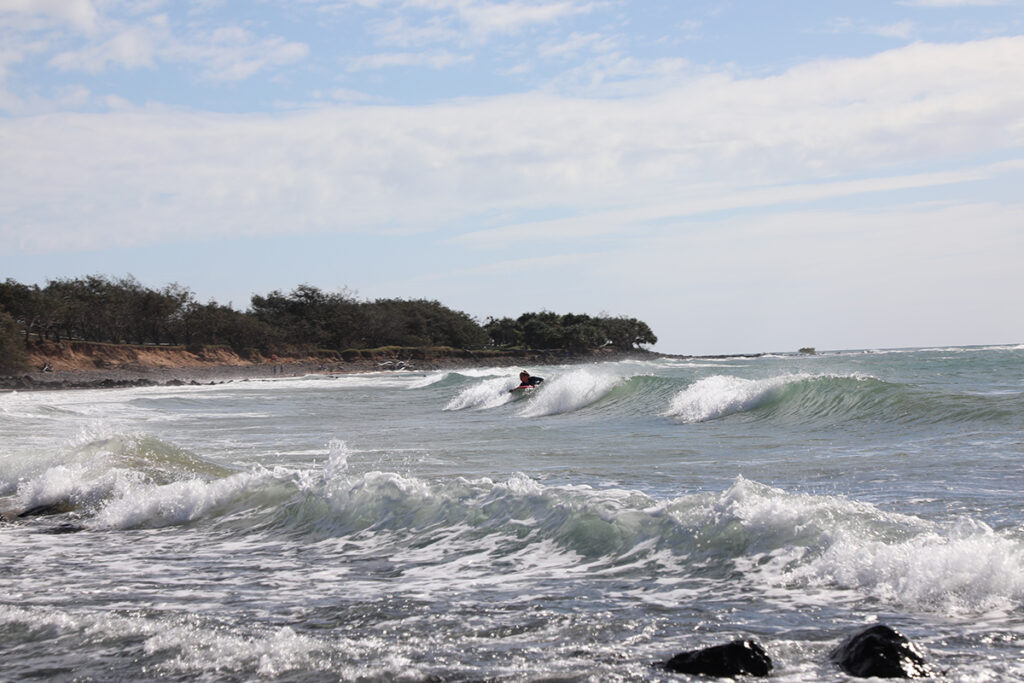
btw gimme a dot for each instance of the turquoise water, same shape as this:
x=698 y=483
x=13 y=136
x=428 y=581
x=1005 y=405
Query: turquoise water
x=429 y=526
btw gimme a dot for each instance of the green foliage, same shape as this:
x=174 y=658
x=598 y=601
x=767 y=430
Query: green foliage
x=13 y=357
x=420 y=322
x=575 y=332
x=504 y=332
x=308 y=316
x=98 y=308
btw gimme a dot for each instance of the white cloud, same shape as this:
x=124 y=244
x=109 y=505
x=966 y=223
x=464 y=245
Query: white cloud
x=707 y=198
x=464 y=22
x=78 y=14
x=235 y=54
x=400 y=31
x=576 y=43
x=901 y=29
x=344 y=95
x=84 y=181
x=431 y=60
x=134 y=40
x=486 y=18
x=133 y=48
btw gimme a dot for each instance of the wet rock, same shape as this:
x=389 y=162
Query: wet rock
x=47 y=510
x=64 y=529
x=738 y=658
x=883 y=652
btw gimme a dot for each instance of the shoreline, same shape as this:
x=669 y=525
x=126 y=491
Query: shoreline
x=70 y=368
x=89 y=365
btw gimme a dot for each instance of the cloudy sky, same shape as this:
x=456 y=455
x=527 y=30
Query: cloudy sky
x=743 y=176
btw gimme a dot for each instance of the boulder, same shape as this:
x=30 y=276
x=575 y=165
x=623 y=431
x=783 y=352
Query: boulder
x=64 y=529
x=883 y=652
x=58 y=508
x=738 y=658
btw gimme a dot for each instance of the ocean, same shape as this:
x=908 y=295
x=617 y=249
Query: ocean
x=430 y=526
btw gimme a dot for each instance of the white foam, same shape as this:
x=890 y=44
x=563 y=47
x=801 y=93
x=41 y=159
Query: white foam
x=76 y=483
x=428 y=380
x=173 y=503
x=206 y=650
x=830 y=542
x=489 y=393
x=570 y=392
x=965 y=569
x=198 y=648
x=721 y=395
x=483 y=372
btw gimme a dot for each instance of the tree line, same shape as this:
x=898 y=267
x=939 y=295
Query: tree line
x=99 y=308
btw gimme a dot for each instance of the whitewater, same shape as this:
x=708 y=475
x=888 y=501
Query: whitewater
x=431 y=526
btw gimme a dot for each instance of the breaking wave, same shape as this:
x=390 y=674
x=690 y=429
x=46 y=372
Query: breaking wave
x=786 y=398
x=518 y=530
x=805 y=398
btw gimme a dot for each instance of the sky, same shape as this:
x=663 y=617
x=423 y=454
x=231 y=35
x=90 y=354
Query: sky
x=744 y=176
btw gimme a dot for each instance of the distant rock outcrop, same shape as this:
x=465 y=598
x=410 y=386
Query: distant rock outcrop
x=738 y=658
x=883 y=652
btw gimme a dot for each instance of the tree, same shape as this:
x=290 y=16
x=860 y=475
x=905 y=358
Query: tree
x=540 y=330
x=504 y=332
x=572 y=331
x=420 y=322
x=13 y=357
x=25 y=305
x=627 y=333
x=310 y=317
x=100 y=308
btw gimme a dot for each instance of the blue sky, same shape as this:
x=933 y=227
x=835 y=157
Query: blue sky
x=743 y=176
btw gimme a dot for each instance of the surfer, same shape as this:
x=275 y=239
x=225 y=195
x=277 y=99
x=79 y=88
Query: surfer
x=525 y=380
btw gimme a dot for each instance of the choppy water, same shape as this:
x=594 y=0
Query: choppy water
x=428 y=526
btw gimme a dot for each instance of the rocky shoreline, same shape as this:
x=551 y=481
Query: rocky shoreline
x=88 y=365
x=79 y=365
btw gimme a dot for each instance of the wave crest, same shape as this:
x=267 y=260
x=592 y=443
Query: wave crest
x=721 y=395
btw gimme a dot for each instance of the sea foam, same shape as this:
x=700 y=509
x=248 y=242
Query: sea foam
x=831 y=542
x=570 y=392
x=489 y=393
x=721 y=395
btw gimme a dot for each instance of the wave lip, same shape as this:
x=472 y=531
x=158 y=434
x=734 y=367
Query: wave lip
x=571 y=392
x=489 y=393
x=557 y=395
x=721 y=395
x=803 y=397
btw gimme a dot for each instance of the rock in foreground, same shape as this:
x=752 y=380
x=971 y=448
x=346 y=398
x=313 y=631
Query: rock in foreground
x=883 y=652
x=738 y=658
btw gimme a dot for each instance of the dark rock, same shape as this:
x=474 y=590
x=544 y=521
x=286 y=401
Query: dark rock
x=738 y=658
x=47 y=510
x=883 y=652
x=64 y=529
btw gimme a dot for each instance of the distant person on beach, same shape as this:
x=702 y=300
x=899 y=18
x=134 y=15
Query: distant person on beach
x=525 y=380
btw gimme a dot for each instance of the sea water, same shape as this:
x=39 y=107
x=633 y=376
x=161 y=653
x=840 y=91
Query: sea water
x=417 y=526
